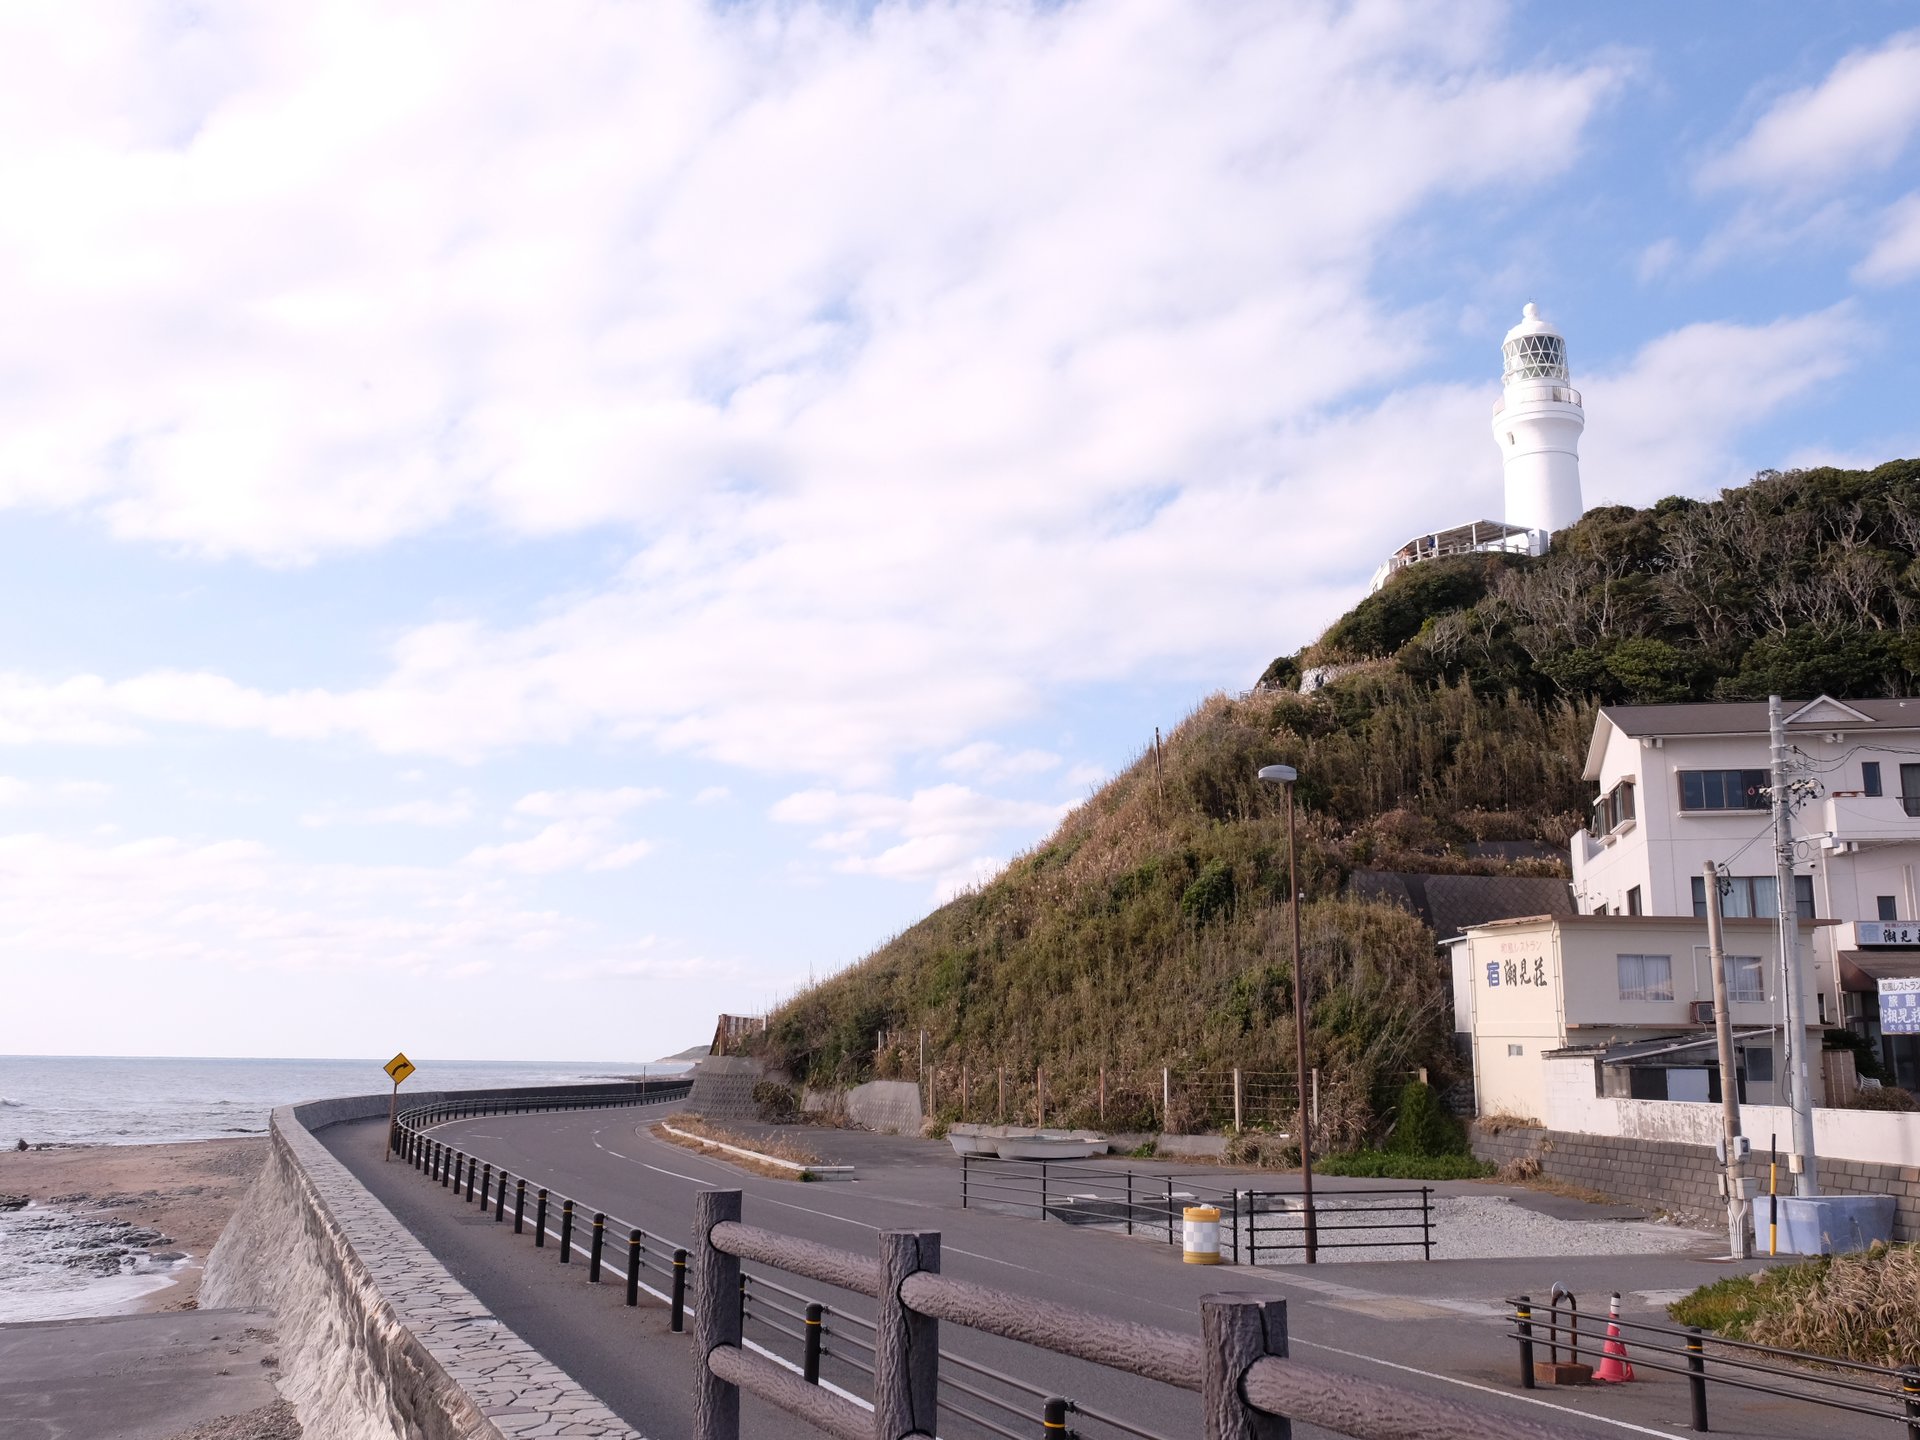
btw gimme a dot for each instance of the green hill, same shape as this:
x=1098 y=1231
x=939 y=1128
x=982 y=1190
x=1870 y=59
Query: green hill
x=1151 y=929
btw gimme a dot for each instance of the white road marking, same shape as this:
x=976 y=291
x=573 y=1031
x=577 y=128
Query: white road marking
x=1487 y=1389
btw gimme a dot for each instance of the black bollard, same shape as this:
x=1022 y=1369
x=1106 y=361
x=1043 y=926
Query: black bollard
x=540 y=1221
x=599 y=1247
x=1697 y=1376
x=633 y=1267
x=679 y=1321
x=566 y=1231
x=519 y=1204
x=1523 y=1322
x=810 y=1360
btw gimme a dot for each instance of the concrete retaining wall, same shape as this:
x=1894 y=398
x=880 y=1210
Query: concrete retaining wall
x=377 y=1339
x=723 y=1087
x=1681 y=1177
x=891 y=1107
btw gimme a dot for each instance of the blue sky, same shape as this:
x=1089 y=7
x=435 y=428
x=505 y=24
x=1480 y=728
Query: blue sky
x=521 y=534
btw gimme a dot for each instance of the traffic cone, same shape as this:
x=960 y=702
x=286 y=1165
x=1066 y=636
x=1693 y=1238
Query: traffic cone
x=1614 y=1366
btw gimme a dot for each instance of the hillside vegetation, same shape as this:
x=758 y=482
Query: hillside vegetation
x=1152 y=928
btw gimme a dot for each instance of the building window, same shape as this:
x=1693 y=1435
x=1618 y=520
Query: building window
x=1646 y=977
x=1910 y=789
x=1746 y=980
x=1633 y=900
x=1733 y=789
x=1759 y=1066
x=1613 y=809
x=1870 y=777
x=1750 y=897
x=1888 y=907
x=1516 y=1049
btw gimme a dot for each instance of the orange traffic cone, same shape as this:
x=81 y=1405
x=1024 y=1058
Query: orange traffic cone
x=1614 y=1366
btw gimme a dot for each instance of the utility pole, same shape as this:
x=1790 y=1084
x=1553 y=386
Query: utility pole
x=1799 y=1078
x=1729 y=1078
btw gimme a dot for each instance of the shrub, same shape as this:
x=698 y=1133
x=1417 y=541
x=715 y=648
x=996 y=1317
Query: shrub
x=1210 y=894
x=1863 y=1307
x=776 y=1103
x=1392 y=1165
x=1887 y=1097
x=1423 y=1126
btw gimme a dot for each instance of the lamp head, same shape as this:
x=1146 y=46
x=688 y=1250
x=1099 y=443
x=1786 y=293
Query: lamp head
x=1285 y=774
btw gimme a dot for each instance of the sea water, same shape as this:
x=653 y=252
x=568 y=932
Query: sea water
x=112 y=1100
x=60 y=1262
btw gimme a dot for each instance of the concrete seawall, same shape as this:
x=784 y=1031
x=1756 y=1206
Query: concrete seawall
x=377 y=1339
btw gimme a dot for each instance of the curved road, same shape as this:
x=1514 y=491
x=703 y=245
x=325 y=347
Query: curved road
x=1434 y=1327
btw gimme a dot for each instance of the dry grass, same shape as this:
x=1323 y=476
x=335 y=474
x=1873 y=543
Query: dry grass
x=777 y=1147
x=1863 y=1307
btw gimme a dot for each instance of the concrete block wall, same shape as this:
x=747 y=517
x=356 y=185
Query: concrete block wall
x=379 y=1341
x=891 y=1107
x=723 y=1087
x=1679 y=1177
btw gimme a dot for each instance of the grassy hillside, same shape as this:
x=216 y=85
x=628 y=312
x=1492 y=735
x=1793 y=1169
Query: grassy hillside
x=1151 y=929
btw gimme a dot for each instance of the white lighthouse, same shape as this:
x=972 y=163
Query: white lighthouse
x=1537 y=423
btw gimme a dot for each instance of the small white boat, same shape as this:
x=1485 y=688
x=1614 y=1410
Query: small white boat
x=971 y=1139
x=1050 y=1145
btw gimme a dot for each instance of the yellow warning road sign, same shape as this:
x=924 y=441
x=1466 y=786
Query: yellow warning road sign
x=399 y=1067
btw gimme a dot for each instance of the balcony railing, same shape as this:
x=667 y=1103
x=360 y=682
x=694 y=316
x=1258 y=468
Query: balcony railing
x=1565 y=394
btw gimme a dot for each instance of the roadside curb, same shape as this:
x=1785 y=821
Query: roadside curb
x=825 y=1172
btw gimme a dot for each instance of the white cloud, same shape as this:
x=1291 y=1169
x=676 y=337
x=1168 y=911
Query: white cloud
x=15 y=791
x=575 y=804
x=456 y=809
x=712 y=795
x=586 y=843
x=933 y=834
x=1896 y=253
x=989 y=762
x=173 y=903
x=1669 y=423
x=1859 y=118
x=396 y=270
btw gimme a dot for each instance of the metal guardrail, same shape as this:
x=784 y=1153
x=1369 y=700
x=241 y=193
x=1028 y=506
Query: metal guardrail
x=1238 y=1363
x=1143 y=1203
x=1689 y=1351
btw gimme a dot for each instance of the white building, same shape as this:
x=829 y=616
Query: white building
x=1633 y=992
x=1537 y=423
x=1682 y=785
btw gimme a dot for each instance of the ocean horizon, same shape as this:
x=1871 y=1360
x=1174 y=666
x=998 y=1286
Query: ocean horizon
x=150 y=1099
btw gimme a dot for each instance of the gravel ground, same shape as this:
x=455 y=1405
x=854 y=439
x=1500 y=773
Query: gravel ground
x=1491 y=1227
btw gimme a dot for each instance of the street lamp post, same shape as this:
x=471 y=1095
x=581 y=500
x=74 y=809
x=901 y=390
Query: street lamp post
x=1285 y=775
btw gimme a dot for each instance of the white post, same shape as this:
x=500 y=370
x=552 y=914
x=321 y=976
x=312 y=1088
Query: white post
x=1237 y=1126
x=1166 y=1099
x=1729 y=1079
x=1799 y=1078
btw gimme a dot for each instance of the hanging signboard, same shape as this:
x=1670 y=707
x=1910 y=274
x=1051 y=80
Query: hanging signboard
x=1900 y=1007
x=1901 y=934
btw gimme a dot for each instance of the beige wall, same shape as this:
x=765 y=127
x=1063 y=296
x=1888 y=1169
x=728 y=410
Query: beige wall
x=1559 y=985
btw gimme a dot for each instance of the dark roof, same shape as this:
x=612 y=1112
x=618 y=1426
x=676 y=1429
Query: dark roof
x=1749 y=717
x=1450 y=903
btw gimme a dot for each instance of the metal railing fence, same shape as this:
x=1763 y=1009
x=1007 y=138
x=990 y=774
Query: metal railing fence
x=1238 y=1364
x=1252 y=1221
x=1706 y=1359
x=776 y=1312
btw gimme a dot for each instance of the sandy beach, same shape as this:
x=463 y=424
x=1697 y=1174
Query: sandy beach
x=184 y=1191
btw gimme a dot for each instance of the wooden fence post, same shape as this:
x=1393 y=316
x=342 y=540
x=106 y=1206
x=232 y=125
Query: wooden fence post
x=1003 y=1094
x=1039 y=1096
x=716 y=1278
x=906 y=1353
x=1103 y=1095
x=963 y=1089
x=1235 y=1331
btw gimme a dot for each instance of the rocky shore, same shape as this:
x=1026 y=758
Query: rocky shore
x=100 y=1229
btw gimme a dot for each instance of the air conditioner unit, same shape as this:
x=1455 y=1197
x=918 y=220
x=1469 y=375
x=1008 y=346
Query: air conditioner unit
x=1700 y=1012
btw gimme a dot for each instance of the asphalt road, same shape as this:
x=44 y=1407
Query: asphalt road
x=1435 y=1328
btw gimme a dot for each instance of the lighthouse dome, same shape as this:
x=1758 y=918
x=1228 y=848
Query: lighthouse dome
x=1533 y=350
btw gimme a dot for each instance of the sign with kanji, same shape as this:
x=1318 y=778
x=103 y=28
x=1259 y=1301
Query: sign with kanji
x=399 y=1067
x=1900 y=1007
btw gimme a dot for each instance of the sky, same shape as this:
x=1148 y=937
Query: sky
x=523 y=528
